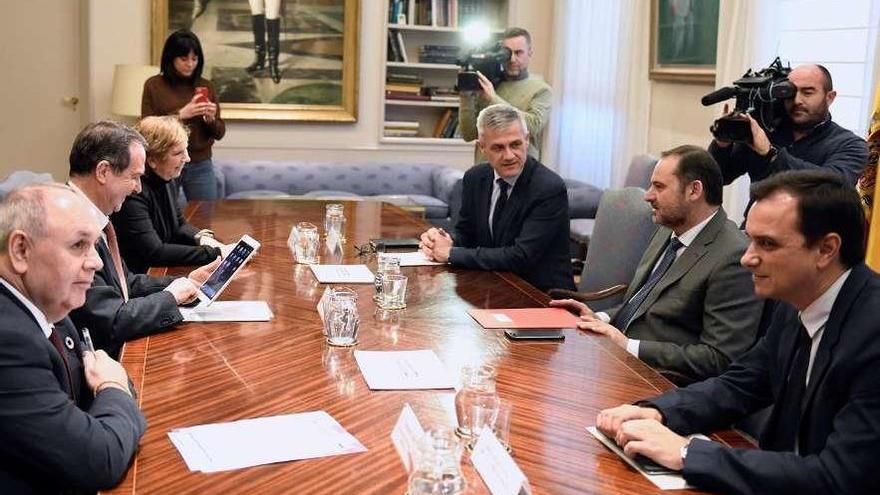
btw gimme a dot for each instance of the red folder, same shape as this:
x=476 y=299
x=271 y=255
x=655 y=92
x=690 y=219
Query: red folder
x=524 y=318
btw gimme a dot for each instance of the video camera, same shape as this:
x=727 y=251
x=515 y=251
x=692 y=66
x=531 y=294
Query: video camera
x=491 y=61
x=760 y=94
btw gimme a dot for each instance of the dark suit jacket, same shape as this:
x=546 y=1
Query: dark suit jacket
x=532 y=236
x=48 y=442
x=111 y=320
x=840 y=415
x=152 y=231
x=703 y=313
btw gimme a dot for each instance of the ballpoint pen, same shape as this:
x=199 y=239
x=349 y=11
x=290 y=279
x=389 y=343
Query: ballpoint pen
x=87 y=340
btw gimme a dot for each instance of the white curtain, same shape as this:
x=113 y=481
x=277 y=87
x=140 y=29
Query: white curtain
x=746 y=39
x=599 y=118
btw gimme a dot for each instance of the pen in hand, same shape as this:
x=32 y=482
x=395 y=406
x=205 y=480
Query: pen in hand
x=87 y=340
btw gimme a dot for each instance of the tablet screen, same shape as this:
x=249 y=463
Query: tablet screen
x=227 y=269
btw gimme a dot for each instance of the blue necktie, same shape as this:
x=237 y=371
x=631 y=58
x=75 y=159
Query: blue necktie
x=624 y=317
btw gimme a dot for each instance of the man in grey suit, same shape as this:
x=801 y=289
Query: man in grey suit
x=106 y=164
x=68 y=422
x=691 y=308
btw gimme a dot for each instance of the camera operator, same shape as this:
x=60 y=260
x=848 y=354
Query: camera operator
x=807 y=138
x=529 y=94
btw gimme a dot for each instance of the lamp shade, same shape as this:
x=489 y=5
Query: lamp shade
x=128 y=88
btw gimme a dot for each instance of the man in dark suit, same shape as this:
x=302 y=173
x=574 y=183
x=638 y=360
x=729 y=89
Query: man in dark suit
x=690 y=309
x=106 y=165
x=818 y=365
x=514 y=210
x=66 y=424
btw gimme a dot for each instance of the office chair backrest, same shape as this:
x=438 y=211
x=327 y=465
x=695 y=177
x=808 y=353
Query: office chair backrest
x=620 y=236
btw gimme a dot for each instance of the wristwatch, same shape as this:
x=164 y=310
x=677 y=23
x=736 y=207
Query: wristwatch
x=772 y=154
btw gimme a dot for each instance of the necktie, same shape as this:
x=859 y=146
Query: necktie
x=499 y=204
x=55 y=339
x=623 y=317
x=790 y=398
x=110 y=232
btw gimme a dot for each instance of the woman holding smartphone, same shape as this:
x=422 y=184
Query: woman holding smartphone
x=150 y=225
x=180 y=90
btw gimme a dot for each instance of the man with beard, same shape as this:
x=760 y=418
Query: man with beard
x=808 y=139
x=690 y=309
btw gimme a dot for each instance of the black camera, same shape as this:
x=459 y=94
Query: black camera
x=491 y=61
x=760 y=94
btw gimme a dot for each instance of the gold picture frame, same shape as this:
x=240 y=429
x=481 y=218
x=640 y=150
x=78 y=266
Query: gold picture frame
x=684 y=39
x=319 y=53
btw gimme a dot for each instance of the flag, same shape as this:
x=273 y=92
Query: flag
x=869 y=188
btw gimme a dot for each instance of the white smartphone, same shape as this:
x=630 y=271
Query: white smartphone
x=243 y=251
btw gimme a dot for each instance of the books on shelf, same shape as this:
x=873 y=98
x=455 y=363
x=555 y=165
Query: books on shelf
x=400 y=128
x=437 y=13
x=396 y=48
x=410 y=88
x=438 y=54
x=402 y=77
x=397 y=95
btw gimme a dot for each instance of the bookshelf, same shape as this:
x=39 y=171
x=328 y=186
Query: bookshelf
x=420 y=105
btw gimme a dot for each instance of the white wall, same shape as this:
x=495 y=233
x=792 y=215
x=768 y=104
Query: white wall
x=677 y=117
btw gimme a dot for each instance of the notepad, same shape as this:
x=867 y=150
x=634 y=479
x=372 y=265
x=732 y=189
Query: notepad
x=343 y=274
x=403 y=370
x=415 y=258
x=228 y=311
x=524 y=318
x=253 y=442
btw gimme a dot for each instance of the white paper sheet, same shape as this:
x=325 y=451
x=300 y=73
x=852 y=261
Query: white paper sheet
x=343 y=274
x=415 y=258
x=228 y=311
x=661 y=481
x=403 y=370
x=252 y=442
x=494 y=464
x=406 y=435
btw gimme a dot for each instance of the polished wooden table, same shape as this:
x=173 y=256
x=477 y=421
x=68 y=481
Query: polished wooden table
x=217 y=372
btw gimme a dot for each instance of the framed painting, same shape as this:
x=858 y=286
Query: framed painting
x=684 y=40
x=308 y=50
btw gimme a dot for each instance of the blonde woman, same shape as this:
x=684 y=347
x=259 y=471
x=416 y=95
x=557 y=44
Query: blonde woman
x=150 y=226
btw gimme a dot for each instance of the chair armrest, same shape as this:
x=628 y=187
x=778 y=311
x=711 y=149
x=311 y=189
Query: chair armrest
x=587 y=296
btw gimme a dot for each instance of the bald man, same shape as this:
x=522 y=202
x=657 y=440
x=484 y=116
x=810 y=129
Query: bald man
x=807 y=139
x=68 y=422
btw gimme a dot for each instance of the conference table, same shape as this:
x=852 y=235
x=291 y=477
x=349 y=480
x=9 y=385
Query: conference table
x=201 y=373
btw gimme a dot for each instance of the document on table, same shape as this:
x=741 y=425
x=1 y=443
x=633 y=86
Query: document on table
x=415 y=258
x=523 y=318
x=497 y=468
x=253 y=442
x=228 y=311
x=664 y=481
x=343 y=274
x=403 y=370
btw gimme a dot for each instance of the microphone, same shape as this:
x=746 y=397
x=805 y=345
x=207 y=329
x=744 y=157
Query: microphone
x=719 y=95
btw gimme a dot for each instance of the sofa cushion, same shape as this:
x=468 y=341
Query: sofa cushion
x=258 y=194
x=332 y=194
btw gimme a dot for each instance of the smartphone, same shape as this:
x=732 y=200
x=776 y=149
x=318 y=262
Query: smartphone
x=542 y=334
x=202 y=95
x=243 y=251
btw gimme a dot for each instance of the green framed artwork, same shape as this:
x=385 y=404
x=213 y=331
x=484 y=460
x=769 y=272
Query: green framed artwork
x=314 y=78
x=684 y=40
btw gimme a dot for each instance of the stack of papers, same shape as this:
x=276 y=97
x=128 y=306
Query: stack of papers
x=403 y=370
x=343 y=274
x=228 y=311
x=415 y=258
x=252 y=442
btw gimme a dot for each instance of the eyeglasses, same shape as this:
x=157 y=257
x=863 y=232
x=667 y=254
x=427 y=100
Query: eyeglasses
x=366 y=249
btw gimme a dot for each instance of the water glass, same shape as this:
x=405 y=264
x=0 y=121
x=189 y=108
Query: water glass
x=386 y=263
x=437 y=465
x=502 y=423
x=341 y=319
x=477 y=394
x=334 y=221
x=393 y=291
x=306 y=243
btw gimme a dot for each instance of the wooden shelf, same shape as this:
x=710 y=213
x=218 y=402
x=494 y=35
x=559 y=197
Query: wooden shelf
x=425 y=140
x=417 y=103
x=419 y=65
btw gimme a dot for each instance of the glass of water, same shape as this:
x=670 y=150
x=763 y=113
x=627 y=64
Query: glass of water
x=386 y=264
x=341 y=319
x=334 y=221
x=306 y=243
x=393 y=291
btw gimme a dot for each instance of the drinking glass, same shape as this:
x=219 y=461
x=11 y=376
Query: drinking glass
x=341 y=319
x=385 y=263
x=334 y=221
x=306 y=243
x=477 y=390
x=437 y=465
x=393 y=291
